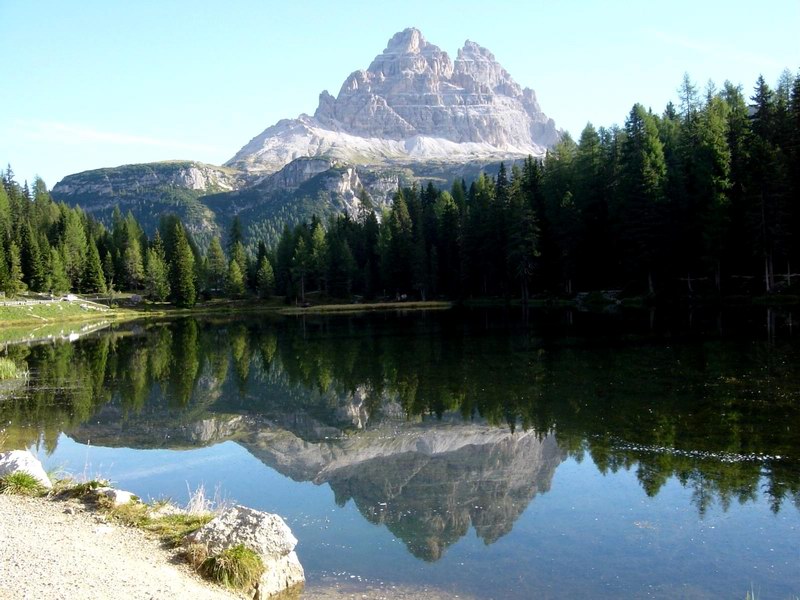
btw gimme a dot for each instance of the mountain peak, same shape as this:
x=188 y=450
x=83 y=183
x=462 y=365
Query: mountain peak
x=471 y=49
x=413 y=102
x=408 y=41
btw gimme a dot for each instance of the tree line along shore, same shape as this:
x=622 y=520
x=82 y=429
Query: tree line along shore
x=700 y=201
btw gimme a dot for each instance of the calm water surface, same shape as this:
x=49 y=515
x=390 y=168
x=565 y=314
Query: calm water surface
x=484 y=454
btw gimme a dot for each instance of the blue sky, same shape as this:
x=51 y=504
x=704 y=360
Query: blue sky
x=94 y=84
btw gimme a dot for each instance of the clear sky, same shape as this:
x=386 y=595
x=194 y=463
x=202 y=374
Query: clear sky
x=98 y=83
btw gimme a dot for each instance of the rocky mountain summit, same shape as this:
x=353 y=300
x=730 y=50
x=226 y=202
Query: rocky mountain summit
x=412 y=104
x=413 y=115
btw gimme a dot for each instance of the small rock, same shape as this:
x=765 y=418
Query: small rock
x=117 y=497
x=69 y=510
x=17 y=461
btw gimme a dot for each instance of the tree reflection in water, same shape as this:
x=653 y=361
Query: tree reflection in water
x=435 y=422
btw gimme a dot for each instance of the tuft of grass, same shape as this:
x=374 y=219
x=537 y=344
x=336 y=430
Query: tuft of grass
x=195 y=555
x=69 y=489
x=237 y=567
x=132 y=514
x=21 y=483
x=173 y=528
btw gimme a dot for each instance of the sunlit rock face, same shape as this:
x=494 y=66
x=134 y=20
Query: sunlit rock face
x=412 y=103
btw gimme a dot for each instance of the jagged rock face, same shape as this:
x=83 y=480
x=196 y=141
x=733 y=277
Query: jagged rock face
x=426 y=484
x=413 y=102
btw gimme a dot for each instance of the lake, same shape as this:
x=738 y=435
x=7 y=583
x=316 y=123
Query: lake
x=461 y=453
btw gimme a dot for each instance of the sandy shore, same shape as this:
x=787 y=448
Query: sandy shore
x=47 y=553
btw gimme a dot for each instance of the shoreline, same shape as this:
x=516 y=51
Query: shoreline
x=100 y=559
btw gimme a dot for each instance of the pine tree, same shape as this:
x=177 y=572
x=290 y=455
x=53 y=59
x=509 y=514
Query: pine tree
x=108 y=268
x=300 y=265
x=265 y=278
x=156 y=275
x=33 y=267
x=234 y=281
x=644 y=219
x=74 y=247
x=14 y=283
x=713 y=167
x=133 y=265
x=58 y=281
x=93 y=281
x=319 y=256
x=182 y=285
x=216 y=267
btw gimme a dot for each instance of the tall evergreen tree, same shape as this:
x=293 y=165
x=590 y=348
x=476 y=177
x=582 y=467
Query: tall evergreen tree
x=156 y=274
x=216 y=266
x=234 y=281
x=14 y=283
x=265 y=278
x=643 y=211
x=182 y=285
x=93 y=281
x=58 y=280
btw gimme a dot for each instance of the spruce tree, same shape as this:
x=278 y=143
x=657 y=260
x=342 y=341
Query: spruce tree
x=234 y=282
x=93 y=281
x=14 y=283
x=182 y=285
x=265 y=278
x=216 y=267
x=58 y=281
x=156 y=275
x=644 y=219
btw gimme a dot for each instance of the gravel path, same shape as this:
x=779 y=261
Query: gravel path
x=47 y=554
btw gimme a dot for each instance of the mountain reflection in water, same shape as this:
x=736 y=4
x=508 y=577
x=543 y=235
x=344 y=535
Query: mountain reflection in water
x=433 y=423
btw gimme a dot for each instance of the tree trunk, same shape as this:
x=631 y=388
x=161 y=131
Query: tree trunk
x=766 y=274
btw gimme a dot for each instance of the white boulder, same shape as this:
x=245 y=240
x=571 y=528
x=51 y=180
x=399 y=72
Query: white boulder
x=117 y=497
x=266 y=534
x=17 y=461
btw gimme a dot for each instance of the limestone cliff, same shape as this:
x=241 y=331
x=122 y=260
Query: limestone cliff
x=413 y=103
